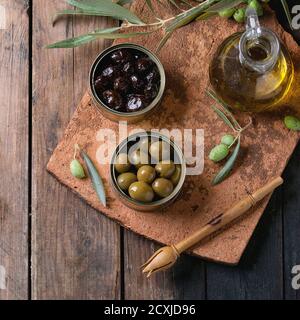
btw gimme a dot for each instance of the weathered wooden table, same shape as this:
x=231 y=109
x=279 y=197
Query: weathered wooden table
x=52 y=245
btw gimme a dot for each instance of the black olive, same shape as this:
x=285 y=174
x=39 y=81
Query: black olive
x=101 y=83
x=113 y=99
x=143 y=64
x=128 y=68
x=122 y=85
x=121 y=56
x=153 y=75
x=151 y=91
x=110 y=72
x=136 y=102
x=136 y=82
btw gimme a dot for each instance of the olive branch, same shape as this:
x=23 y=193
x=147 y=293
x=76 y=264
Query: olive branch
x=134 y=26
x=226 y=115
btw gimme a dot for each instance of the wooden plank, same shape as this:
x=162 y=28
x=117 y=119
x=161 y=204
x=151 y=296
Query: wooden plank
x=259 y=274
x=14 y=150
x=291 y=223
x=186 y=280
x=75 y=250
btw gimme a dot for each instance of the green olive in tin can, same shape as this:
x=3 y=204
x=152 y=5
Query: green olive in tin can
x=146 y=173
x=165 y=168
x=141 y=191
x=122 y=163
x=162 y=187
x=176 y=175
x=126 y=179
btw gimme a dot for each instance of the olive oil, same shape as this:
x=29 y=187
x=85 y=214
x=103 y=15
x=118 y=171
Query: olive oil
x=252 y=71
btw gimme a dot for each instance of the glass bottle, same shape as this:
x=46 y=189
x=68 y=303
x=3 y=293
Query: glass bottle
x=252 y=71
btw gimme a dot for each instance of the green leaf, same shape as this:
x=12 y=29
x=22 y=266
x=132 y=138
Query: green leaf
x=163 y=41
x=223 y=5
x=213 y=95
x=150 y=6
x=106 y=8
x=223 y=116
x=187 y=3
x=189 y=15
x=206 y=15
x=95 y=177
x=287 y=13
x=123 y=2
x=225 y=171
x=102 y=34
x=77 y=12
x=173 y=2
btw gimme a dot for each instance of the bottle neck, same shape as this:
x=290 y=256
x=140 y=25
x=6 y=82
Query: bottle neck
x=259 y=51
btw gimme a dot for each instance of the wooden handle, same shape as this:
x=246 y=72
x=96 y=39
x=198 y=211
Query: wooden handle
x=225 y=218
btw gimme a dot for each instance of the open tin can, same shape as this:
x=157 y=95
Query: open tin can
x=157 y=204
x=112 y=114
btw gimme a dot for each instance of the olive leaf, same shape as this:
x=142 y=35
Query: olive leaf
x=95 y=177
x=225 y=171
x=287 y=13
x=189 y=15
x=106 y=8
x=77 y=12
x=224 y=5
x=110 y=33
x=229 y=114
x=123 y=2
x=163 y=41
x=223 y=116
x=206 y=16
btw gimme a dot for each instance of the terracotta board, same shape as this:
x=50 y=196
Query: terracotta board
x=266 y=146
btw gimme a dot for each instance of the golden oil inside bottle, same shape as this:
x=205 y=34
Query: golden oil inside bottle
x=253 y=76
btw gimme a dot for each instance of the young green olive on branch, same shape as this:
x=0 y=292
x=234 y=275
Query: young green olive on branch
x=239 y=13
x=292 y=123
x=222 y=150
x=219 y=152
x=186 y=11
x=76 y=168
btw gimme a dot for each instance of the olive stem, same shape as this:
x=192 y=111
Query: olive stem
x=235 y=139
x=247 y=126
x=76 y=148
x=162 y=22
x=240 y=132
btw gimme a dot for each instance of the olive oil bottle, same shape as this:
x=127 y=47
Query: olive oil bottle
x=252 y=71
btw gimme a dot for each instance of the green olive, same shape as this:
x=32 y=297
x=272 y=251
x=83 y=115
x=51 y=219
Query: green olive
x=162 y=187
x=122 y=164
x=176 y=175
x=228 y=139
x=77 y=169
x=227 y=13
x=141 y=191
x=160 y=150
x=138 y=158
x=219 y=152
x=126 y=179
x=292 y=123
x=239 y=15
x=146 y=174
x=256 y=6
x=165 y=168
